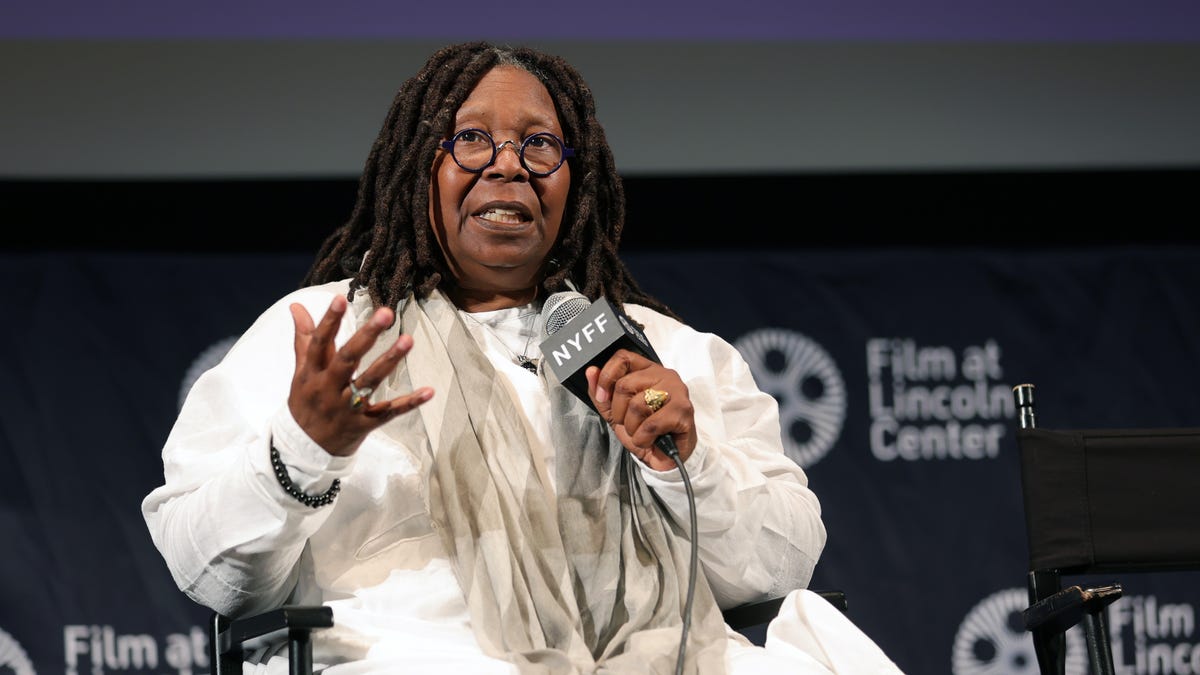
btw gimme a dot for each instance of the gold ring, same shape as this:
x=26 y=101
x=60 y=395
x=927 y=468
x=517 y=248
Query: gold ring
x=656 y=399
x=359 y=396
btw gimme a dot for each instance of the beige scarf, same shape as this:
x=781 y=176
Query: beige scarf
x=591 y=582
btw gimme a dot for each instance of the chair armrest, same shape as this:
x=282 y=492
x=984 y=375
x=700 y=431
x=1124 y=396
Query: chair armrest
x=752 y=613
x=1067 y=607
x=756 y=613
x=229 y=638
x=836 y=598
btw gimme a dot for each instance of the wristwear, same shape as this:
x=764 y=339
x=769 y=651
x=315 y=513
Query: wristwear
x=314 y=501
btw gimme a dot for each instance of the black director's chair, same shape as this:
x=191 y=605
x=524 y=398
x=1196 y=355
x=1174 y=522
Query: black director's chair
x=1099 y=502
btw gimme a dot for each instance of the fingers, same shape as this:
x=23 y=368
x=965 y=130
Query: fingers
x=346 y=360
x=618 y=391
x=352 y=352
x=619 y=365
x=320 y=346
x=644 y=424
x=321 y=400
x=304 y=328
x=399 y=405
x=385 y=364
x=317 y=344
x=624 y=376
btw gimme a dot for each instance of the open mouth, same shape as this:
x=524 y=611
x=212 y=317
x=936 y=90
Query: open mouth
x=505 y=215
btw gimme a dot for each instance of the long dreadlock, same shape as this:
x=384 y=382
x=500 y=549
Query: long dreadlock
x=388 y=247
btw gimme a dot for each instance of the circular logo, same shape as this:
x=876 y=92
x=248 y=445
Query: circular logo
x=13 y=657
x=807 y=384
x=993 y=640
x=207 y=359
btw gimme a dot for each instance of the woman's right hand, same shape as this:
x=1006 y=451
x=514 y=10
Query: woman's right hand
x=320 y=396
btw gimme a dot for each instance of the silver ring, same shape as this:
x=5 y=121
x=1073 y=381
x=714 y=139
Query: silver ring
x=359 y=396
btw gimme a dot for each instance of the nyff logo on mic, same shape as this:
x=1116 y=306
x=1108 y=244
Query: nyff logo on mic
x=591 y=338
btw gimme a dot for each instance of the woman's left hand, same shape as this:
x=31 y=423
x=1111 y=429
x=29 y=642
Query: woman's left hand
x=618 y=391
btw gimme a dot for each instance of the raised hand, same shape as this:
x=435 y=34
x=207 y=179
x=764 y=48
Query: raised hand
x=321 y=398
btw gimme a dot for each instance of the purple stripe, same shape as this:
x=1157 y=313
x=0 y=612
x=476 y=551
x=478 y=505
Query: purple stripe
x=1012 y=20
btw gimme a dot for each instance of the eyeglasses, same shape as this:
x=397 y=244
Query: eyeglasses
x=474 y=150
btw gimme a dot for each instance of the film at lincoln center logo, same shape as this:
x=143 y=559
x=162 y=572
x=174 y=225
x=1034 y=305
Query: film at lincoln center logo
x=13 y=657
x=803 y=378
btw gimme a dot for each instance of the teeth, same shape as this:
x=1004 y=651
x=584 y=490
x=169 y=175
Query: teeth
x=503 y=215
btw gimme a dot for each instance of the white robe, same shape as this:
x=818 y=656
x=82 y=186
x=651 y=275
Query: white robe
x=234 y=541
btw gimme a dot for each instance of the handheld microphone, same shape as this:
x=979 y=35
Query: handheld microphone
x=580 y=333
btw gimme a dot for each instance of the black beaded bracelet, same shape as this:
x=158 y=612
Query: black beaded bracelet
x=314 y=501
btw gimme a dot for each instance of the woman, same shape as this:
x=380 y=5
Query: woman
x=409 y=464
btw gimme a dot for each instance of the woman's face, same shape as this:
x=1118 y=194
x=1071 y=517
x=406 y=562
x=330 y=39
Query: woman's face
x=496 y=228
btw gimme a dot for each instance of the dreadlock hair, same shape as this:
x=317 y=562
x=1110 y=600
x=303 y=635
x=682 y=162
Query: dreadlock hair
x=388 y=246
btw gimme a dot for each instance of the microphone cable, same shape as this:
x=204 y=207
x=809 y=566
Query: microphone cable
x=667 y=445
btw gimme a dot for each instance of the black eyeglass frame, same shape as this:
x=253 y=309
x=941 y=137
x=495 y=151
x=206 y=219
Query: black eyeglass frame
x=567 y=151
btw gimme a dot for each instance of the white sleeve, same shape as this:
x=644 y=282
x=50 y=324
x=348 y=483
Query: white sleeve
x=230 y=534
x=760 y=529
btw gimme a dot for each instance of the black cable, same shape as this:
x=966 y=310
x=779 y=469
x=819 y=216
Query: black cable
x=667 y=445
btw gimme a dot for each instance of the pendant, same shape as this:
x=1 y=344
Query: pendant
x=528 y=364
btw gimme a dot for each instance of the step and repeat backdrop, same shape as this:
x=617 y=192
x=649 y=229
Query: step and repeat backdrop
x=893 y=370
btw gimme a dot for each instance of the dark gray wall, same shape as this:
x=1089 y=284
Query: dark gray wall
x=301 y=109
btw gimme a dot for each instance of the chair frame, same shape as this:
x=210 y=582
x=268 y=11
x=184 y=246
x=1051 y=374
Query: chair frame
x=1092 y=541
x=230 y=638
